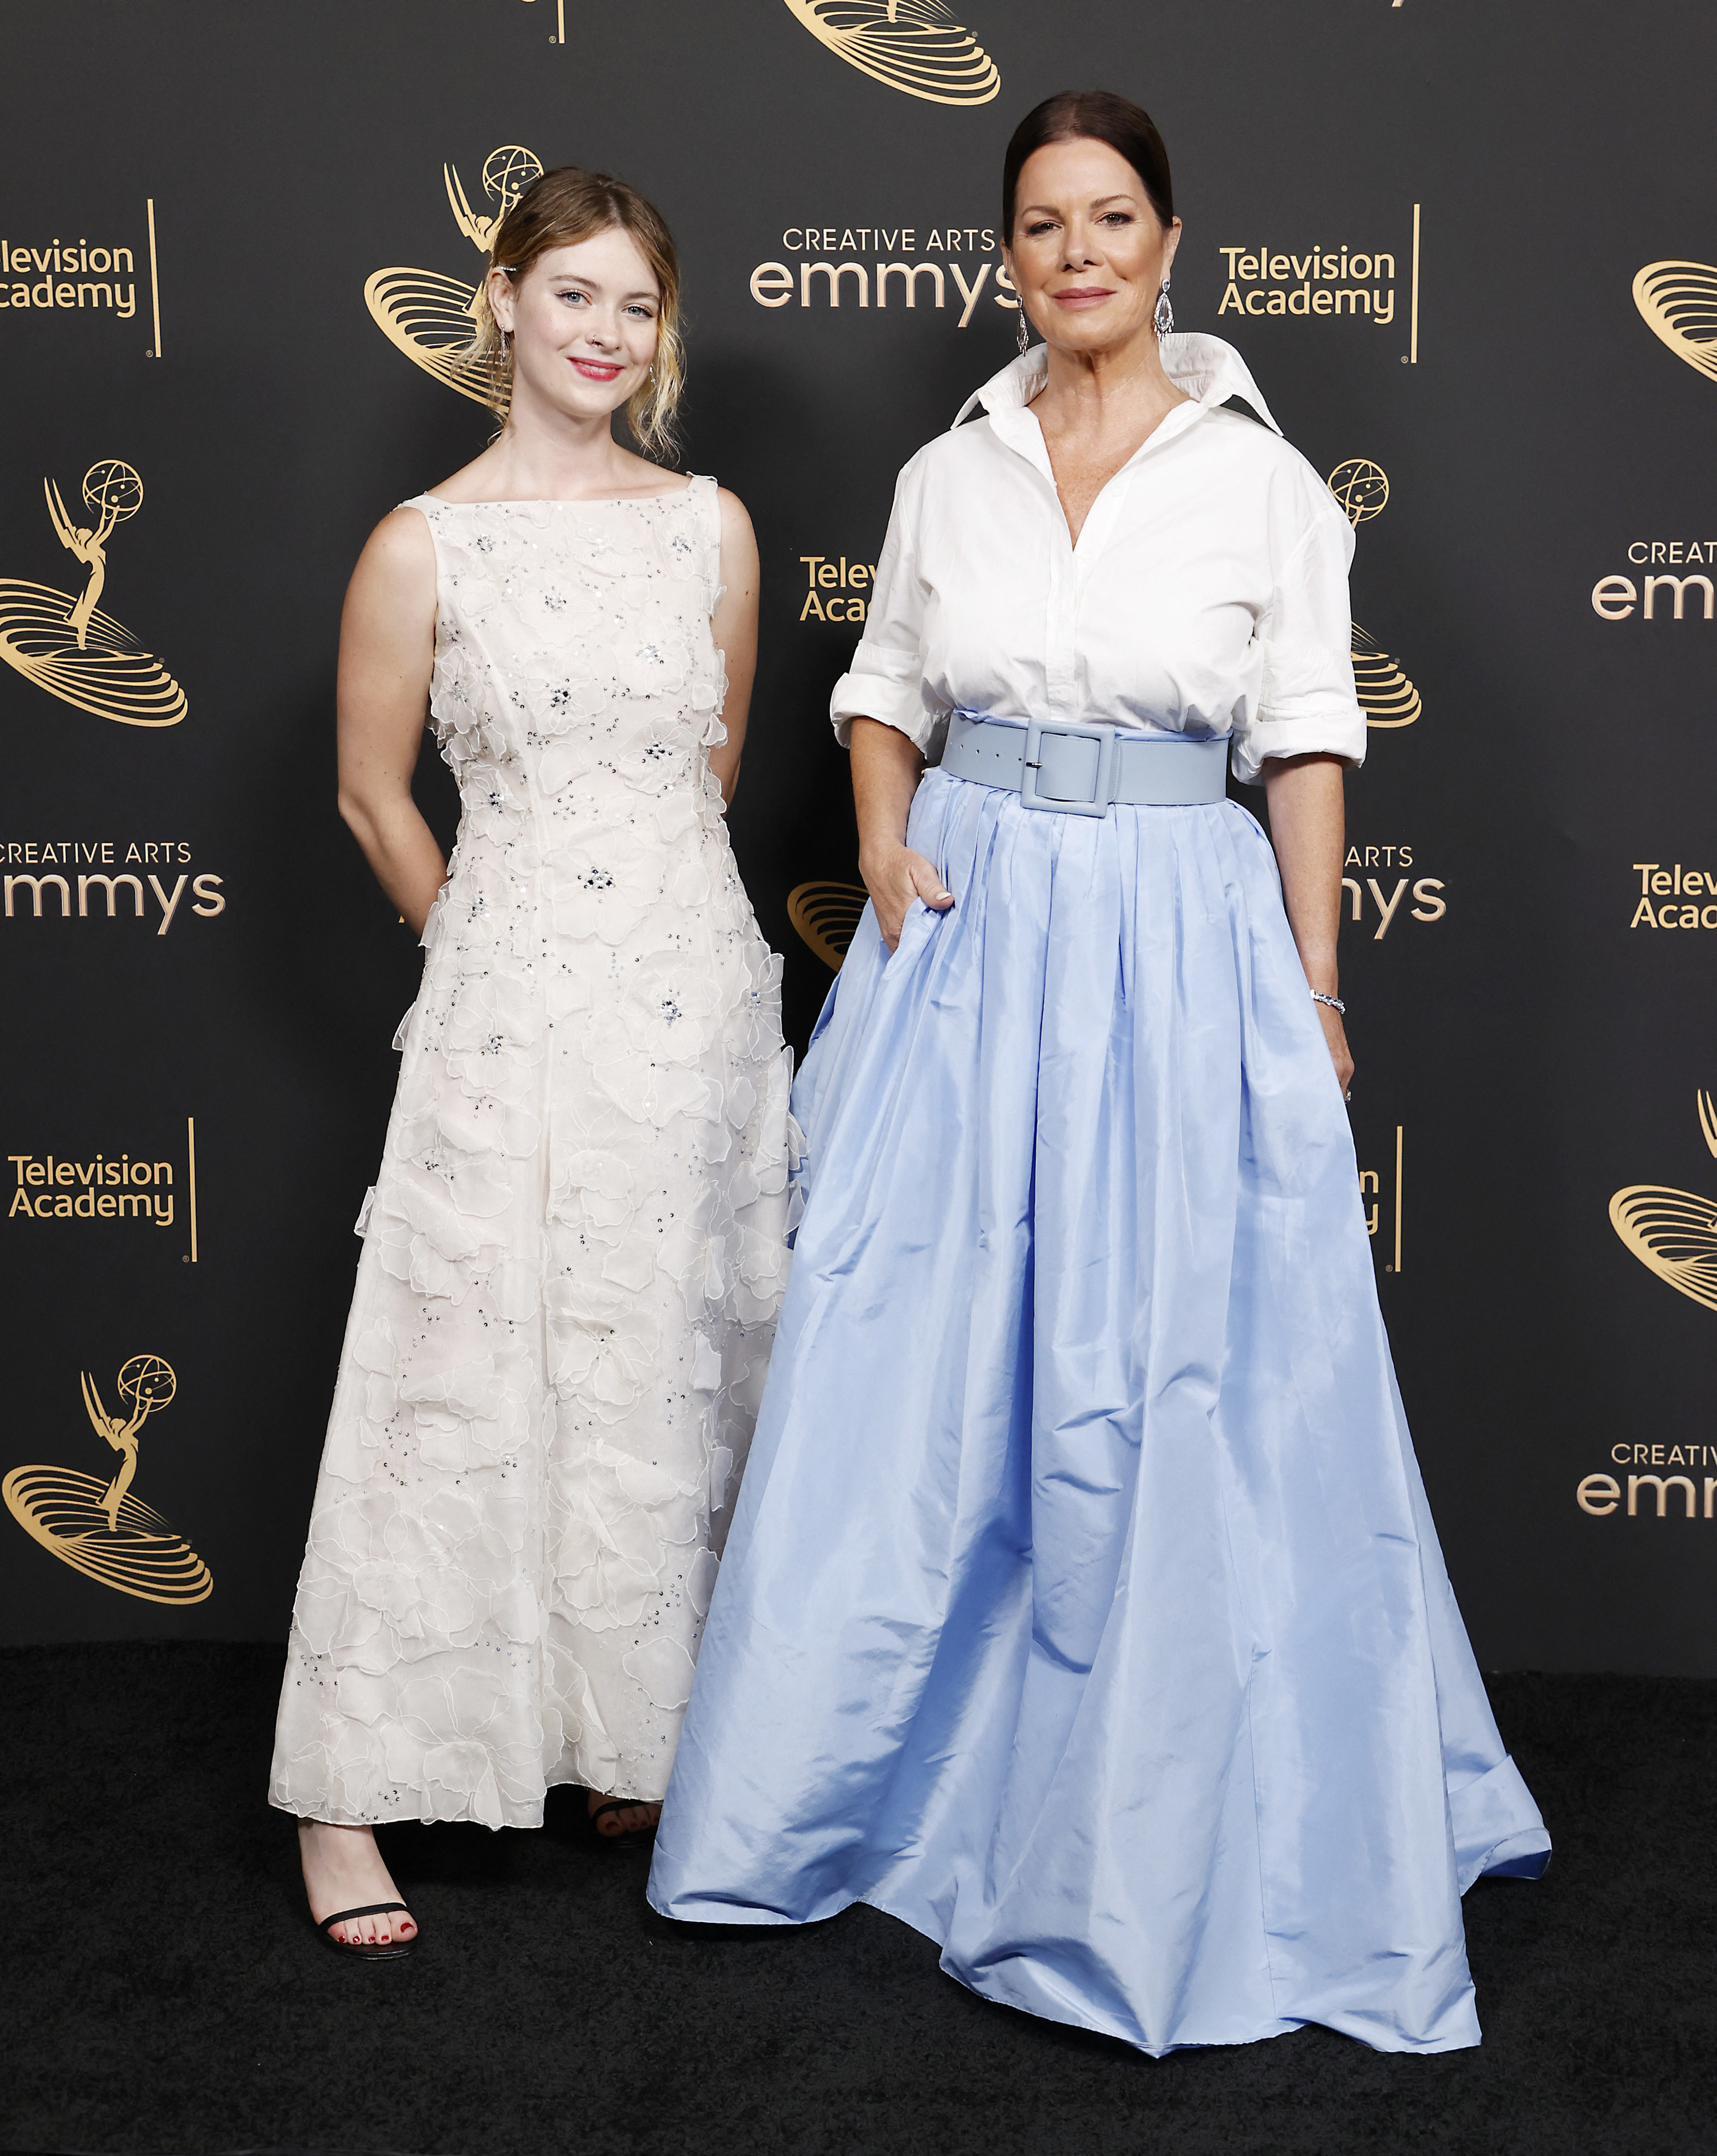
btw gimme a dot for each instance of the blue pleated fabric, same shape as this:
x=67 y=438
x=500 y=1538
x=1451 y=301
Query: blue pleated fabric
x=1082 y=1607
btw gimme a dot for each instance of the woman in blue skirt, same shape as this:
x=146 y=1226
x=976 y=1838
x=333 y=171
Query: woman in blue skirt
x=1082 y=1607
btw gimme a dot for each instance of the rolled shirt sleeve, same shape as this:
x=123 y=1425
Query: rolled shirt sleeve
x=1307 y=701
x=886 y=681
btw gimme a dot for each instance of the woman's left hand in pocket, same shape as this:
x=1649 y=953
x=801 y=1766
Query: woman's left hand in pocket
x=1336 y=1039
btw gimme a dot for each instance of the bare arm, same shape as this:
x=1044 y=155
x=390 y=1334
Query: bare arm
x=1307 y=829
x=886 y=768
x=387 y=650
x=734 y=626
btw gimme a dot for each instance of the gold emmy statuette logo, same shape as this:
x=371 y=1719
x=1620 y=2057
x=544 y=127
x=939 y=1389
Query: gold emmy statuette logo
x=911 y=45
x=67 y=645
x=101 y=1529
x=1674 y=1232
x=431 y=318
x=1386 y=697
x=826 y=915
x=1678 y=300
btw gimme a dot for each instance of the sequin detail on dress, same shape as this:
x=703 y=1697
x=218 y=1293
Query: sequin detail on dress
x=575 y=1250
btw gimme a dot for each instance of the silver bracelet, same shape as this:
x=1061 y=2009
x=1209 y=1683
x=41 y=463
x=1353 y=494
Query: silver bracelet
x=1335 y=1003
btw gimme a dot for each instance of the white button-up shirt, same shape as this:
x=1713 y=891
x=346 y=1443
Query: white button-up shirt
x=1207 y=593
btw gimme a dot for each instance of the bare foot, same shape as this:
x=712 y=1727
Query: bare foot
x=343 y=1869
x=631 y=1818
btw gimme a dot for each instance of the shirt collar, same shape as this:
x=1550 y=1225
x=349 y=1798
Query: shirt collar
x=1209 y=371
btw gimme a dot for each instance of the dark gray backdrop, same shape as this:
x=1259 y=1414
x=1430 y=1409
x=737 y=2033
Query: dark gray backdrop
x=1535 y=1051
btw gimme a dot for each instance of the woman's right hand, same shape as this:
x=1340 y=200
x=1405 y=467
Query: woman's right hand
x=894 y=876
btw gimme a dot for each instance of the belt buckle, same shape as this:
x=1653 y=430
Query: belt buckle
x=1097 y=803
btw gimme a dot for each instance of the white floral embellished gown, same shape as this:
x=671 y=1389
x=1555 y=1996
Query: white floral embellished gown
x=575 y=1251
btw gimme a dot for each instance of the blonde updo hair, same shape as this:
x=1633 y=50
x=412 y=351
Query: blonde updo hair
x=559 y=209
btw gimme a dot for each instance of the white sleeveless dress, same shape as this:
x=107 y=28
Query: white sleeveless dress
x=575 y=1251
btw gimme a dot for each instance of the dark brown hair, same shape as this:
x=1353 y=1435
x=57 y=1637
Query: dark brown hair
x=559 y=209
x=1090 y=116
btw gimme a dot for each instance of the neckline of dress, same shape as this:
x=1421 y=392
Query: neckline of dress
x=572 y=501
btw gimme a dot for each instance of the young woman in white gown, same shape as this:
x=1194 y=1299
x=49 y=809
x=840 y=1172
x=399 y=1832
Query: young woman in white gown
x=575 y=1250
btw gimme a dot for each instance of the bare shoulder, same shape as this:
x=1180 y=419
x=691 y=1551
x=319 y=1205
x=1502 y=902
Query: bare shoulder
x=736 y=520
x=400 y=543
x=738 y=540
x=396 y=571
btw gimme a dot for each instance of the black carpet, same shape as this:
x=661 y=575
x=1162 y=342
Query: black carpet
x=166 y=1993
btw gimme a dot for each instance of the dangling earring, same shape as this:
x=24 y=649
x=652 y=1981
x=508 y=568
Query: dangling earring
x=1021 y=329
x=1163 y=319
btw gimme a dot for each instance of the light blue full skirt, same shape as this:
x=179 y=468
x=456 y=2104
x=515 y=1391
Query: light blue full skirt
x=1082 y=1607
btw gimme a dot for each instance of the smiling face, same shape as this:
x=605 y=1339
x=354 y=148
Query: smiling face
x=1088 y=253
x=583 y=320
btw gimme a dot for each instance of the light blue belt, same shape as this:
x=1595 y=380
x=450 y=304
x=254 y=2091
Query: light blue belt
x=1078 y=770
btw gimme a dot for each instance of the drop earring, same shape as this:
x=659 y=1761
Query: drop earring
x=1021 y=331
x=1162 y=320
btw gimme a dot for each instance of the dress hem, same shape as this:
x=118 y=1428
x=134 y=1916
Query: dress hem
x=513 y=1814
x=750 y=1914
x=1284 y=2027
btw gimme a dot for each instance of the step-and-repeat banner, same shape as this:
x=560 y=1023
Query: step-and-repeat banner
x=1470 y=254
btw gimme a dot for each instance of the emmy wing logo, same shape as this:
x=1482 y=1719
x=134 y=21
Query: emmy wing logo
x=63 y=642
x=100 y=1528
x=1678 y=300
x=1674 y=1232
x=827 y=916
x=911 y=45
x=430 y=317
x=1386 y=696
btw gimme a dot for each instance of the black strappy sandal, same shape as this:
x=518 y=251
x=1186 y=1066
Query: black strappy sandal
x=394 y=1950
x=633 y=1837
